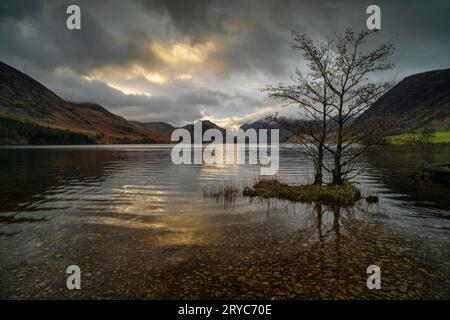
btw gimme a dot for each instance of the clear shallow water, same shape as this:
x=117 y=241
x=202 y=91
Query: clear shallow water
x=138 y=226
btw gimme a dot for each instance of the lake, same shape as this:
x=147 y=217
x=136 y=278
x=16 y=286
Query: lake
x=139 y=226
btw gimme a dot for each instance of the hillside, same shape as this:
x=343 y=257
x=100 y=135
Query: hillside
x=417 y=102
x=26 y=100
x=17 y=132
x=160 y=131
x=285 y=134
x=159 y=126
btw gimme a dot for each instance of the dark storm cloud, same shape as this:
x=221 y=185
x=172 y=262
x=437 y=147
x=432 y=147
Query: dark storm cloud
x=252 y=37
x=195 y=18
x=262 y=42
x=205 y=98
x=253 y=43
x=47 y=41
x=19 y=9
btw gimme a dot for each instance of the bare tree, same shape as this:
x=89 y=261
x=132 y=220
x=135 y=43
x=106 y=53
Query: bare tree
x=311 y=93
x=354 y=93
x=339 y=82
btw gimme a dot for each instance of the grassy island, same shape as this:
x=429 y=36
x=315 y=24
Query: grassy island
x=345 y=194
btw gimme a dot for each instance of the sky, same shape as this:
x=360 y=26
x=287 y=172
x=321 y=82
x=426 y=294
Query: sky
x=180 y=61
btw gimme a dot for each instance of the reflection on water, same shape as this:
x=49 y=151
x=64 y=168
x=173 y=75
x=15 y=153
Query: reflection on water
x=139 y=226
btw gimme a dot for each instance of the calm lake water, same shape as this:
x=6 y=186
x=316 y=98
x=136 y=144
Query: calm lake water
x=138 y=226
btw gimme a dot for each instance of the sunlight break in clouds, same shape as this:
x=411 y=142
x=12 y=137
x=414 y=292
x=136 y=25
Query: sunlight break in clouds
x=180 y=53
x=109 y=73
x=178 y=61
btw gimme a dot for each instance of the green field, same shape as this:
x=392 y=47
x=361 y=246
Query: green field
x=438 y=137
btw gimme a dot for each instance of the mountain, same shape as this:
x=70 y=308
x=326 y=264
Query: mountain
x=206 y=124
x=285 y=134
x=161 y=131
x=27 y=101
x=162 y=127
x=418 y=101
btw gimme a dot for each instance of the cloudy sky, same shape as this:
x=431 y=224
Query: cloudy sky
x=179 y=61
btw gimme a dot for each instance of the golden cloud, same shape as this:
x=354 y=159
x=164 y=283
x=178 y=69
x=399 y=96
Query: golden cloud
x=181 y=53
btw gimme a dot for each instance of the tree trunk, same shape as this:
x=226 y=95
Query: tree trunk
x=318 y=176
x=337 y=172
x=320 y=150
